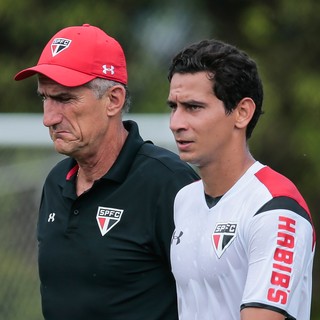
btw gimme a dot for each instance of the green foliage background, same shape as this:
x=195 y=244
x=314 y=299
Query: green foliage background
x=281 y=35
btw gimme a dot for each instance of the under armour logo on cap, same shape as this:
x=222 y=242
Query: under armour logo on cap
x=106 y=69
x=58 y=45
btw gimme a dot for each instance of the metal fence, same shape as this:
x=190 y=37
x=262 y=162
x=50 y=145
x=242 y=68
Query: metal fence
x=22 y=172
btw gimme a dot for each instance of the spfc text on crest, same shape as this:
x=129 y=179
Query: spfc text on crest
x=107 y=218
x=59 y=44
x=223 y=235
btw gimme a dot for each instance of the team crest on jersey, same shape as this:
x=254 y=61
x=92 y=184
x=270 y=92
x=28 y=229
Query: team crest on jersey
x=59 y=44
x=107 y=218
x=223 y=235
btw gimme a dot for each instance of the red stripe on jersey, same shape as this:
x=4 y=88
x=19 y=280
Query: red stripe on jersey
x=72 y=172
x=280 y=186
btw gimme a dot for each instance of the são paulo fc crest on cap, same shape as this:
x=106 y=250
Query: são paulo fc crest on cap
x=107 y=218
x=58 y=45
x=222 y=237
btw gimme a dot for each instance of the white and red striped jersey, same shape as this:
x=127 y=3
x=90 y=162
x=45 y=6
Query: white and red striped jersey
x=254 y=248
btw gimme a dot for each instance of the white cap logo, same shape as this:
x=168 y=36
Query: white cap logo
x=106 y=69
x=58 y=45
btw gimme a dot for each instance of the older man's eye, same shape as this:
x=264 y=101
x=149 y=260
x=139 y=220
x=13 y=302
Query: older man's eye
x=63 y=99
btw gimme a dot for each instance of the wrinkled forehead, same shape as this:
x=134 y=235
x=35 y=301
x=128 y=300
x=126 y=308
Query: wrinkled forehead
x=49 y=86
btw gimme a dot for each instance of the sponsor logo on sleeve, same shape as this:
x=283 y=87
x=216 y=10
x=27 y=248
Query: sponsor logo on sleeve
x=282 y=261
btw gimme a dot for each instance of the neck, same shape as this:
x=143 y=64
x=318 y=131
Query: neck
x=95 y=165
x=218 y=178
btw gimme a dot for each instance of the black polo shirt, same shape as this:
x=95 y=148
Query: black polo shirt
x=105 y=254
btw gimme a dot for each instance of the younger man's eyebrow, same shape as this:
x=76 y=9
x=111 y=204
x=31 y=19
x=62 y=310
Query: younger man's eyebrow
x=187 y=103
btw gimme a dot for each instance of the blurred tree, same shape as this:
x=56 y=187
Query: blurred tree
x=282 y=36
x=148 y=31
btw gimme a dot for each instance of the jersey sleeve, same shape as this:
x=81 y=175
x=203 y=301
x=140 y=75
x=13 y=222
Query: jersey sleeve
x=280 y=251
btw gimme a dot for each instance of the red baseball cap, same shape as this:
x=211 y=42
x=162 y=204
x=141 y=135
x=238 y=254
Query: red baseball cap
x=78 y=54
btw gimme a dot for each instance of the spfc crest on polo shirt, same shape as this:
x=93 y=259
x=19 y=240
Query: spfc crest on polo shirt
x=222 y=237
x=107 y=218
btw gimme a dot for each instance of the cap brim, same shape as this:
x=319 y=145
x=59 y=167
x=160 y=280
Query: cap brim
x=64 y=76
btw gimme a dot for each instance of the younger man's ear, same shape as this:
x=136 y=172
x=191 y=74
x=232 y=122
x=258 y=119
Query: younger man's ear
x=245 y=110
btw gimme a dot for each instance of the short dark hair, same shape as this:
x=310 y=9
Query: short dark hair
x=233 y=73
